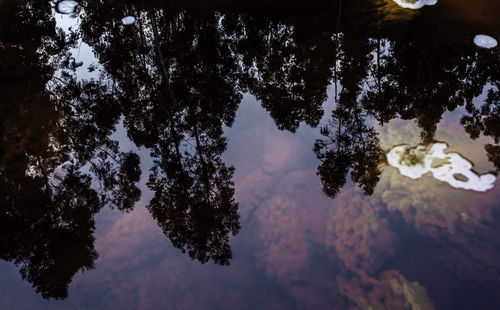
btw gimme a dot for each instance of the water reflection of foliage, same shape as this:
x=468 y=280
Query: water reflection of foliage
x=485 y=120
x=181 y=122
x=288 y=64
x=47 y=204
x=176 y=77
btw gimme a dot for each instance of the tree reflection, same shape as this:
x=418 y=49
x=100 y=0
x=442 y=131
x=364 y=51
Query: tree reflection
x=191 y=76
x=287 y=69
x=349 y=145
x=194 y=194
x=175 y=79
x=48 y=233
x=484 y=120
x=390 y=73
x=51 y=128
x=194 y=200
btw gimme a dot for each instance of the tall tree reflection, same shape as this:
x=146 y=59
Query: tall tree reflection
x=194 y=194
x=175 y=79
x=287 y=69
x=390 y=73
x=49 y=232
x=349 y=144
x=194 y=198
x=421 y=75
x=484 y=119
x=50 y=130
x=191 y=74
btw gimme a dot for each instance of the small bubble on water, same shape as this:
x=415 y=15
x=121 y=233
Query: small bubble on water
x=485 y=41
x=128 y=20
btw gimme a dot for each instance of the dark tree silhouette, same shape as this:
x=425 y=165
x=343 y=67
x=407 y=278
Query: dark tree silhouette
x=485 y=120
x=349 y=145
x=51 y=127
x=194 y=201
x=175 y=78
x=420 y=71
x=185 y=88
x=194 y=195
x=287 y=69
x=48 y=233
x=391 y=73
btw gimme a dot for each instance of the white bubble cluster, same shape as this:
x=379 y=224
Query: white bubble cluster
x=67 y=6
x=414 y=4
x=414 y=162
x=485 y=41
x=128 y=20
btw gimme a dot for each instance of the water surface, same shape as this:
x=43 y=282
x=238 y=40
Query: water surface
x=221 y=155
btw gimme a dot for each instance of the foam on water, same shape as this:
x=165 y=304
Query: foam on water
x=414 y=162
x=485 y=41
x=414 y=4
x=67 y=6
x=128 y=20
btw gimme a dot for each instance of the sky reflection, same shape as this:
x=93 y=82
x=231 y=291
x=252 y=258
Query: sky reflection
x=233 y=159
x=277 y=254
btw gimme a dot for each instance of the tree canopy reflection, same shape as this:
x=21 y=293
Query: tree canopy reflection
x=51 y=131
x=175 y=78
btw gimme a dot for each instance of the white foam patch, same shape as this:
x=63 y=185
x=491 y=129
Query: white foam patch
x=414 y=162
x=414 y=4
x=485 y=41
x=67 y=6
x=128 y=20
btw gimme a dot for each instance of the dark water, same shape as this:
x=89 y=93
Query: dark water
x=232 y=155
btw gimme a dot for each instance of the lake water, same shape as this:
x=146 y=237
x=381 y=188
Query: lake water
x=234 y=155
